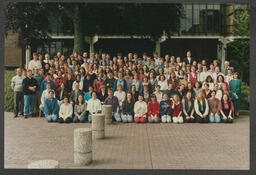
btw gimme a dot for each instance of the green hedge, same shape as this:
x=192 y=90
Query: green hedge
x=8 y=92
x=245 y=96
x=8 y=97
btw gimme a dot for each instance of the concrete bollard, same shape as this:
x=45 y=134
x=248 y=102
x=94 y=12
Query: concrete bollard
x=107 y=111
x=44 y=164
x=82 y=146
x=98 y=126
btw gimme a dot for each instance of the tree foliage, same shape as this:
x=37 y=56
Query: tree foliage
x=88 y=19
x=239 y=48
x=29 y=19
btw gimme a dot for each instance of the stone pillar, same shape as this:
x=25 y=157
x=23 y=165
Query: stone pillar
x=224 y=42
x=98 y=126
x=158 y=44
x=107 y=111
x=158 y=47
x=28 y=55
x=44 y=164
x=91 y=41
x=82 y=146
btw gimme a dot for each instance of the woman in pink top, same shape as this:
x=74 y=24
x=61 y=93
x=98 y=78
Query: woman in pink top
x=193 y=76
x=226 y=109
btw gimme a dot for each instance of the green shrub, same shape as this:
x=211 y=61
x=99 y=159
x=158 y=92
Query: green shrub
x=245 y=96
x=8 y=92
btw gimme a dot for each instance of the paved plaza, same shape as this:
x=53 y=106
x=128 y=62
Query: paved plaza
x=132 y=146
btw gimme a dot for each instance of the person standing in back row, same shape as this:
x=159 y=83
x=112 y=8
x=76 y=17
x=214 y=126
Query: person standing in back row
x=188 y=59
x=30 y=87
x=16 y=85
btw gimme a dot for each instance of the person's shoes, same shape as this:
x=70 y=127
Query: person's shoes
x=15 y=116
x=25 y=116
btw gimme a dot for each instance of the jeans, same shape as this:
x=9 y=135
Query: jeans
x=49 y=119
x=82 y=119
x=28 y=104
x=118 y=119
x=214 y=119
x=90 y=117
x=167 y=119
x=151 y=120
x=18 y=100
x=127 y=118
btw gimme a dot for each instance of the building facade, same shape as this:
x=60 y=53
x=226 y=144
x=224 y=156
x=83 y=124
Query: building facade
x=205 y=29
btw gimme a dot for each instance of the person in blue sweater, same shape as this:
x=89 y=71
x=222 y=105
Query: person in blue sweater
x=51 y=108
x=121 y=81
x=43 y=84
x=165 y=109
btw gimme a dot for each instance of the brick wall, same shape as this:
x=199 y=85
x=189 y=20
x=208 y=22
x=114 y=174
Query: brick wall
x=13 y=52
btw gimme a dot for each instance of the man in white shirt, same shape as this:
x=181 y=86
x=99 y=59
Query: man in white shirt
x=93 y=106
x=156 y=58
x=35 y=63
x=202 y=76
x=16 y=85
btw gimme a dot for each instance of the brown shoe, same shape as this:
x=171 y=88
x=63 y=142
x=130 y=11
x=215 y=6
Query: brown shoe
x=15 y=116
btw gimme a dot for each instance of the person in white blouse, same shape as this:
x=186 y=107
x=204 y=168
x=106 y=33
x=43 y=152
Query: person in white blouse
x=201 y=108
x=93 y=106
x=162 y=83
x=203 y=75
x=229 y=76
x=158 y=93
x=120 y=94
x=78 y=79
x=66 y=112
x=140 y=110
x=35 y=63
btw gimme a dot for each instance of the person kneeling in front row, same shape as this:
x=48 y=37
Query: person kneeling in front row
x=201 y=108
x=140 y=110
x=66 y=111
x=177 y=108
x=153 y=110
x=93 y=106
x=226 y=108
x=51 y=108
x=188 y=108
x=165 y=109
x=128 y=105
x=80 y=110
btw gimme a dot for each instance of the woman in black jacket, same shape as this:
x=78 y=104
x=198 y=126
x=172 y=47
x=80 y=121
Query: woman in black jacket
x=128 y=105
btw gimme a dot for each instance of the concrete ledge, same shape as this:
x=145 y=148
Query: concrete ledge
x=44 y=164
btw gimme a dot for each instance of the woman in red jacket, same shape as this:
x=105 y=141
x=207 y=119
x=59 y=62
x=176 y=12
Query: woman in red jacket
x=177 y=108
x=153 y=110
x=193 y=76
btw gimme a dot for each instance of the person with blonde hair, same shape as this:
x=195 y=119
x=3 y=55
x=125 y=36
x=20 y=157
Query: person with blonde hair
x=201 y=108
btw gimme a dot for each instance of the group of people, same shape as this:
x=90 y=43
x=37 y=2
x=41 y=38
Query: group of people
x=147 y=89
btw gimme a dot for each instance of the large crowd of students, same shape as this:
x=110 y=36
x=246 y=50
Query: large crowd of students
x=146 y=89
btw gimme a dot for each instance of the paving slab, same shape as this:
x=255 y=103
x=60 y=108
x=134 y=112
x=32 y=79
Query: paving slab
x=130 y=145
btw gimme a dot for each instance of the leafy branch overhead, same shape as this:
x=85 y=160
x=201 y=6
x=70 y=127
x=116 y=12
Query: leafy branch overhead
x=88 y=19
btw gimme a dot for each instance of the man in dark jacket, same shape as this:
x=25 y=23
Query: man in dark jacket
x=75 y=93
x=188 y=59
x=30 y=87
x=109 y=82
